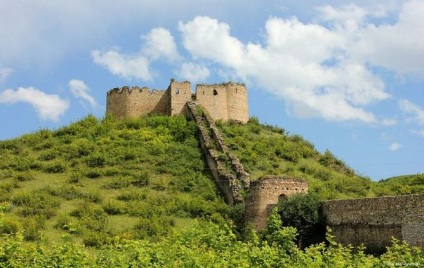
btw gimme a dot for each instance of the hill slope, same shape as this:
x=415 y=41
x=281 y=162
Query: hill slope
x=140 y=178
x=96 y=179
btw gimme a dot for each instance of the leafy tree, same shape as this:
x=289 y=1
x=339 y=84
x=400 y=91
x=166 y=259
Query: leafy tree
x=302 y=211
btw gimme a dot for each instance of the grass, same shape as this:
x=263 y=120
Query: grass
x=94 y=179
x=142 y=178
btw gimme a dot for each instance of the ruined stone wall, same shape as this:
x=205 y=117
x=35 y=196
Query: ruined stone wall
x=373 y=221
x=116 y=102
x=265 y=193
x=229 y=184
x=134 y=102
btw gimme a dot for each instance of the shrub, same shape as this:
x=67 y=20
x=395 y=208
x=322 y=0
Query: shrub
x=56 y=167
x=119 y=183
x=32 y=228
x=9 y=226
x=26 y=176
x=113 y=207
x=147 y=228
x=132 y=195
x=93 y=173
x=96 y=161
x=302 y=211
x=91 y=217
x=48 y=155
x=65 y=222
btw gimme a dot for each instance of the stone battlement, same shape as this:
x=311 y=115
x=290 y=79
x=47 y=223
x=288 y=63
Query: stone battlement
x=226 y=101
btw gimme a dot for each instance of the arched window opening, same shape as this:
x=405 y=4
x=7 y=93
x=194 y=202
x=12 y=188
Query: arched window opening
x=215 y=92
x=282 y=198
x=177 y=91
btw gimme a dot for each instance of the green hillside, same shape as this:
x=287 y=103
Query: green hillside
x=138 y=192
x=265 y=149
x=96 y=179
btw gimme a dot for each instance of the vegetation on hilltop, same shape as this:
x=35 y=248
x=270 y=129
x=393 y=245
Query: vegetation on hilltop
x=137 y=192
x=265 y=150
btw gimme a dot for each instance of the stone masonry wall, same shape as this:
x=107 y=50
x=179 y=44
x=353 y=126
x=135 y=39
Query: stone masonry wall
x=229 y=185
x=222 y=101
x=136 y=101
x=214 y=99
x=180 y=94
x=261 y=194
x=265 y=193
x=373 y=221
x=237 y=105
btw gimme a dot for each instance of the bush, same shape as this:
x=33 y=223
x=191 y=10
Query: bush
x=56 y=167
x=302 y=211
x=26 y=176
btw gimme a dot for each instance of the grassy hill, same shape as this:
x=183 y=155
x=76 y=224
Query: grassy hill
x=96 y=179
x=265 y=149
x=139 y=192
x=141 y=178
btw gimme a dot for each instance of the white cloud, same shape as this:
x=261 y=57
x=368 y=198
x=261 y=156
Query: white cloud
x=4 y=74
x=324 y=68
x=80 y=90
x=415 y=112
x=314 y=80
x=207 y=38
x=398 y=46
x=48 y=107
x=394 y=146
x=159 y=43
x=193 y=72
x=127 y=66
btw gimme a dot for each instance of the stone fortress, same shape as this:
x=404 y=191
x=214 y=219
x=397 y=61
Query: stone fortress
x=222 y=101
x=371 y=221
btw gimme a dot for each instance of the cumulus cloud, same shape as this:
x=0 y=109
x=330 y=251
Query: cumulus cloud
x=325 y=68
x=4 y=74
x=159 y=43
x=414 y=112
x=193 y=72
x=48 y=107
x=81 y=91
x=304 y=64
x=394 y=146
x=127 y=66
x=398 y=46
x=207 y=38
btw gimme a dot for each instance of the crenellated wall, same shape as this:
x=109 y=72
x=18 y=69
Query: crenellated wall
x=222 y=101
x=135 y=101
x=373 y=221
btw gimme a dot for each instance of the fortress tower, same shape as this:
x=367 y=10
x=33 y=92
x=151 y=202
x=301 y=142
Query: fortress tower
x=222 y=101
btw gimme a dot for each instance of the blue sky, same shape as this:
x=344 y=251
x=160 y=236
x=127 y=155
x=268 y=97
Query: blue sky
x=347 y=76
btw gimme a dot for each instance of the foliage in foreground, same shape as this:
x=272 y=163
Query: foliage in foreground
x=205 y=244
